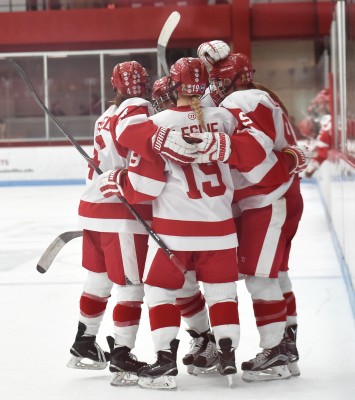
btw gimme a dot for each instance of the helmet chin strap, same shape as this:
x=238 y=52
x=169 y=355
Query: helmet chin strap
x=237 y=76
x=175 y=87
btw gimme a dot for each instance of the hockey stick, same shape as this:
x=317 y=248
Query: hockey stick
x=148 y=229
x=165 y=34
x=54 y=248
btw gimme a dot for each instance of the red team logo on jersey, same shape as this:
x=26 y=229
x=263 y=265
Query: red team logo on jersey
x=191 y=116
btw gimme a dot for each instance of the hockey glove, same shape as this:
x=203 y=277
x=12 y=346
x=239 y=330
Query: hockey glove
x=214 y=146
x=172 y=145
x=211 y=52
x=302 y=156
x=109 y=182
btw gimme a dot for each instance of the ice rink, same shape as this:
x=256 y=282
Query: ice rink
x=39 y=313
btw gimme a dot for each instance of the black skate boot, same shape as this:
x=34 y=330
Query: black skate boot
x=123 y=364
x=198 y=345
x=290 y=338
x=270 y=364
x=85 y=347
x=160 y=375
x=226 y=359
x=207 y=360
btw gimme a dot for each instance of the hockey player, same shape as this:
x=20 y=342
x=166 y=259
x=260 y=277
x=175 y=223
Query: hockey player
x=202 y=356
x=214 y=53
x=114 y=243
x=321 y=108
x=276 y=201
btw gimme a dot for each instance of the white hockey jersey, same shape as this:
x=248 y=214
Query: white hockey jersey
x=191 y=203
x=96 y=212
x=256 y=107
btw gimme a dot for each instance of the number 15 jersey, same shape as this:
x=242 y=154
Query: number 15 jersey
x=191 y=203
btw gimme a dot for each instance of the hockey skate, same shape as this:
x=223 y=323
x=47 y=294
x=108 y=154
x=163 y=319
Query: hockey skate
x=291 y=349
x=160 y=375
x=270 y=364
x=198 y=344
x=226 y=358
x=207 y=360
x=86 y=353
x=124 y=365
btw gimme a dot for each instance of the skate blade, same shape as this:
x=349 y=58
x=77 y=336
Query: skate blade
x=78 y=363
x=204 y=371
x=124 y=379
x=229 y=372
x=271 y=374
x=230 y=380
x=165 y=382
x=191 y=369
x=293 y=367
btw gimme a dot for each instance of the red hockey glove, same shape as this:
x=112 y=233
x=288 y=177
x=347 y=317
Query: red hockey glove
x=109 y=182
x=302 y=156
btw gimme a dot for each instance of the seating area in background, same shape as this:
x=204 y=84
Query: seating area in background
x=39 y=5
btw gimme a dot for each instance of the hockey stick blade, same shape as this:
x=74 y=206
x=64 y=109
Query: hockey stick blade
x=164 y=37
x=54 y=248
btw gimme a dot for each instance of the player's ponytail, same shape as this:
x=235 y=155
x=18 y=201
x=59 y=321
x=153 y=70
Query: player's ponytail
x=197 y=109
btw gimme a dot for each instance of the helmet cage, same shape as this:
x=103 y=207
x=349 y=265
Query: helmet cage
x=162 y=94
x=231 y=72
x=163 y=102
x=219 y=87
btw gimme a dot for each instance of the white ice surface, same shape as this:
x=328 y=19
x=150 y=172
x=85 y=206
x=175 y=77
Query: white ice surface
x=39 y=313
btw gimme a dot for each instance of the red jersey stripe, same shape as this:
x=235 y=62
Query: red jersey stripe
x=113 y=210
x=193 y=228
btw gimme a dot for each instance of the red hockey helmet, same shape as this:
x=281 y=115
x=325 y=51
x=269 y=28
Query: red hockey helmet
x=162 y=94
x=130 y=78
x=235 y=70
x=189 y=76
